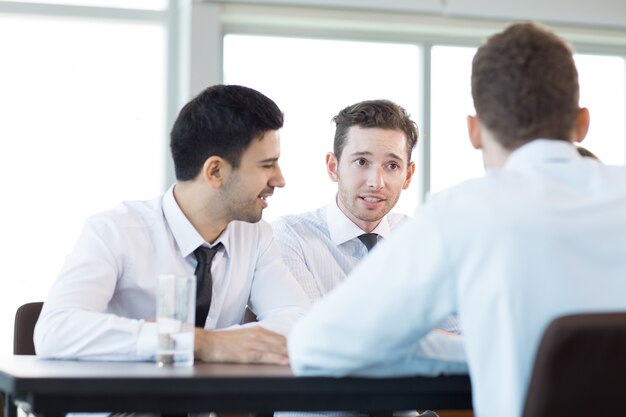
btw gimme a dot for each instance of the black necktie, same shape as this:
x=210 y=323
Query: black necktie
x=369 y=240
x=204 y=282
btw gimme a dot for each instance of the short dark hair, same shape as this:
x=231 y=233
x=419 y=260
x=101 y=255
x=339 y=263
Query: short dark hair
x=222 y=120
x=525 y=85
x=383 y=114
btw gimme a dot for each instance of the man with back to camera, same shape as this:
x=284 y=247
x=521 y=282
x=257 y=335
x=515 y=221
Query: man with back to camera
x=371 y=165
x=541 y=235
x=225 y=146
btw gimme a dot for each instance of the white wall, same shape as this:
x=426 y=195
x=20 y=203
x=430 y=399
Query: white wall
x=599 y=13
x=608 y=13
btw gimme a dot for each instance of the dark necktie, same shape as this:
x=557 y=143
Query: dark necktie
x=204 y=282
x=369 y=240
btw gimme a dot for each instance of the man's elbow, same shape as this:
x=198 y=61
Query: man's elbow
x=49 y=338
x=301 y=358
x=43 y=339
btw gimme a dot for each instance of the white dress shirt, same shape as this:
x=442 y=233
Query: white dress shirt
x=99 y=306
x=542 y=237
x=321 y=247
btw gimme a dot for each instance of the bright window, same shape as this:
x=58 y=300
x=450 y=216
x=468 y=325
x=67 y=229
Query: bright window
x=311 y=80
x=82 y=104
x=453 y=159
x=602 y=92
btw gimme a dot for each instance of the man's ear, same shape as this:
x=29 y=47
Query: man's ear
x=582 y=125
x=215 y=170
x=409 y=175
x=475 y=132
x=332 y=165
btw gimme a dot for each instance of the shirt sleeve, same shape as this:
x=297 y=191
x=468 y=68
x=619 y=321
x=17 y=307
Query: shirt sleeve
x=290 y=246
x=373 y=323
x=275 y=298
x=74 y=323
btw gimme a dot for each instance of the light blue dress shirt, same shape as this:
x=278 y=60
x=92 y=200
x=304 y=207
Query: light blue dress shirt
x=542 y=237
x=321 y=248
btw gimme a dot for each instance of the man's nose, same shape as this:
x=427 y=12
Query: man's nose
x=375 y=177
x=277 y=179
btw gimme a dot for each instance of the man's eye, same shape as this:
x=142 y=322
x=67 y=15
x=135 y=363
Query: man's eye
x=393 y=166
x=360 y=162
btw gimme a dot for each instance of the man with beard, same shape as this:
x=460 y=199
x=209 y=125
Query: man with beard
x=225 y=146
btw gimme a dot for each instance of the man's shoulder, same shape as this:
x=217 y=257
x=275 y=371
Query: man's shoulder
x=464 y=192
x=129 y=215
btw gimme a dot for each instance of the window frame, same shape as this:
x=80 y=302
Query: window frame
x=412 y=28
x=174 y=19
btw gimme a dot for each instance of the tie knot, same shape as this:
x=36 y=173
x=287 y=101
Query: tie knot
x=205 y=255
x=369 y=240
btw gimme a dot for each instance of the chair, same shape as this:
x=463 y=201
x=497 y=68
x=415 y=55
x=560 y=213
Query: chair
x=580 y=368
x=248 y=317
x=25 y=319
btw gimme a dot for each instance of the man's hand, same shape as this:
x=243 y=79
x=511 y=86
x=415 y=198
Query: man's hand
x=247 y=345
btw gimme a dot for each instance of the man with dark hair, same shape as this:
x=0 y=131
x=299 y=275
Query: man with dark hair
x=541 y=235
x=225 y=146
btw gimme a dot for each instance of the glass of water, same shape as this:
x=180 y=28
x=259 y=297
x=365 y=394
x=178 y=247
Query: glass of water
x=176 y=310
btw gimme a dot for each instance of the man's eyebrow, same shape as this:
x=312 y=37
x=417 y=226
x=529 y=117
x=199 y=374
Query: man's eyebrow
x=362 y=153
x=394 y=156
x=366 y=153
x=267 y=160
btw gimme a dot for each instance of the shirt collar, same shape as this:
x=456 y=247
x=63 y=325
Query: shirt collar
x=342 y=229
x=187 y=237
x=541 y=151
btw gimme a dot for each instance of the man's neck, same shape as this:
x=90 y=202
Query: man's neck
x=366 y=226
x=197 y=204
x=494 y=154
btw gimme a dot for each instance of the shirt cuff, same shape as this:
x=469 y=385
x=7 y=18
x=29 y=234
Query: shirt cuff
x=147 y=341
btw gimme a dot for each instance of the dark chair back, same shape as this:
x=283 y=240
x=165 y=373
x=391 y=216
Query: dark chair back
x=248 y=317
x=580 y=368
x=25 y=319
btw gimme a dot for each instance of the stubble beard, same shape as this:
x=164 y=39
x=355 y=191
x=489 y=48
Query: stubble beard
x=240 y=209
x=350 y=202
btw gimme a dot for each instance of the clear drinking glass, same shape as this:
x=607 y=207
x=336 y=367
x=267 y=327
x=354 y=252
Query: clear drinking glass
x=176 y=310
